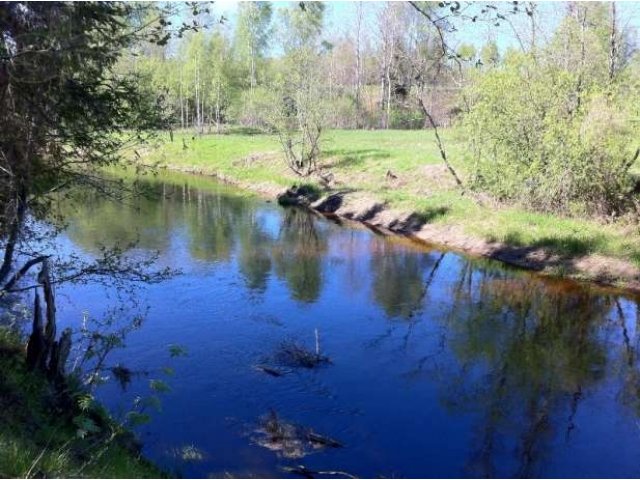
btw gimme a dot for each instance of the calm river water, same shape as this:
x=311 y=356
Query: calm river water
x=440 y=365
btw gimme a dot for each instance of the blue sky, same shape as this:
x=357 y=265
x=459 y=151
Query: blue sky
x=340 y=16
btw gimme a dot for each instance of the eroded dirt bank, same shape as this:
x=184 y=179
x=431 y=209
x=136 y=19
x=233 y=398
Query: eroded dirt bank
x=362 y=208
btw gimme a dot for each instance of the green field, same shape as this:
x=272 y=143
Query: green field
x=360 y=160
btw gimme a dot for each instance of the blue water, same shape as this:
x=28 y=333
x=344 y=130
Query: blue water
x=441 y=365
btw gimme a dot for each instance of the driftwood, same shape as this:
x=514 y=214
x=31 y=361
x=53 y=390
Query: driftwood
x=290 y=440
x=291 y=354
x=322 y=441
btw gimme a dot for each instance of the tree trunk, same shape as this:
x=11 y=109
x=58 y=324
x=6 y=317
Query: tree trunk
x=613 y=42
x=358 y=71
x=36 y=345
x=14 y=234
x=44 y=353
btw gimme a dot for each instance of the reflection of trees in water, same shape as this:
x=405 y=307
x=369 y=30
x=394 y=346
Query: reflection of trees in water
x=298 y=253
x=254 y=257
x=219 y=223
x=356 y=276
x=216 y=224
x=626 y=363
x=522 y=354
x=212 y=222
x=399 y=286
x=96 y=220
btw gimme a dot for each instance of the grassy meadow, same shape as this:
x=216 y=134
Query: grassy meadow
x=360 y=160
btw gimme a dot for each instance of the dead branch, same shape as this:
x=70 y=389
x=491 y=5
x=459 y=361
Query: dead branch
x=443 y=153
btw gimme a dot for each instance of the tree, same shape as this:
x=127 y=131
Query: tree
x=558 y=139
x=359 y=74
x=252 y=35
x=67 y=111
x=466 y=52
x=489 y=54
x=299 y=117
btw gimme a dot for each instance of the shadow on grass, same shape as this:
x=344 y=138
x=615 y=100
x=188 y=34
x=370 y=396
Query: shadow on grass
x=563 y=254
x=352 y=157
x=249 y=131
x=560 y=244
x=428 y=215
x=415 y=221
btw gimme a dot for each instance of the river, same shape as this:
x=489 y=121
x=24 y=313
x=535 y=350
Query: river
x=437 y=365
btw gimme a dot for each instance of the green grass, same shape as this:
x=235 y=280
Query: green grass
x=38 y=437
x=360 y=161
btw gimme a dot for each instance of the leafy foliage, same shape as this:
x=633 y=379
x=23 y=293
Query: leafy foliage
x=554 y=134
x=300 y=110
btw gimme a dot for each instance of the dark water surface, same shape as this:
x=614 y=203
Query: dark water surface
x=441 y=366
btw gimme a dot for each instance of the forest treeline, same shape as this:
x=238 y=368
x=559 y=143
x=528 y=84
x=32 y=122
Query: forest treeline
x=550 y=120
x=370 y=71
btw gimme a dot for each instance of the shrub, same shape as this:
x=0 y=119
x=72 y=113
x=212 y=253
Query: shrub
x=548 y=137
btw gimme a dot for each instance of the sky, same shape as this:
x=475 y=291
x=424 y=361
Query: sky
x=340 y=16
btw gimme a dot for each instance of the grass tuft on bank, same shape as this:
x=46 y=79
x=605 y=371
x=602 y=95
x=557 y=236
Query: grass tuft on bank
x=38 y=436
x=403 y=168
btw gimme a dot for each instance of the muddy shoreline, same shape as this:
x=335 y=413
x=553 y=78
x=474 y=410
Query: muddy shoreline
x=361 y=208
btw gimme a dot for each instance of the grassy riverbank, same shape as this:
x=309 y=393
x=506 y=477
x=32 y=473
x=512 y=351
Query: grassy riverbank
x=39 y=438
x=359 y=160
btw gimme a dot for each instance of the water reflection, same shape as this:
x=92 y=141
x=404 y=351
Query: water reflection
x=509 y=375
x=254 y=258
x=522 y=355
x=298 y=254
x=540 y=349
x=97 y=221
x=217 y=226
x=398 y=283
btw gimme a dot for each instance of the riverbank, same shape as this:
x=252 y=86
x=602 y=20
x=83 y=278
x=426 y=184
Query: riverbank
x=41 y=438
x=395 y=181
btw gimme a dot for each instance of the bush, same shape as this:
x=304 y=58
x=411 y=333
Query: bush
x=253 y=109
x=406 y=117
x=550 y=138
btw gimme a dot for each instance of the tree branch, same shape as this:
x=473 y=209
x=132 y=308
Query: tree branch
x=443 y=152
x=22 y=272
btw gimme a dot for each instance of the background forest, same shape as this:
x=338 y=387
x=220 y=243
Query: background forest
x=550 y=116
